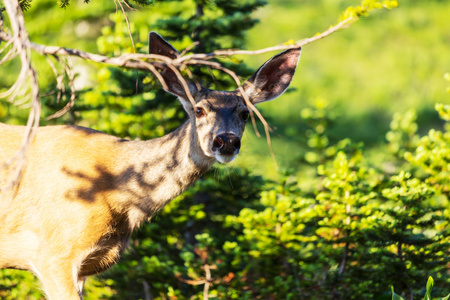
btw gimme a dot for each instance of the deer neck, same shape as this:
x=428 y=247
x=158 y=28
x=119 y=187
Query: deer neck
x=161 y=169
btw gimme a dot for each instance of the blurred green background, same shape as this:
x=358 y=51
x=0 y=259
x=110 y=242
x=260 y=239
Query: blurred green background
x=391 y=61
x=360 y=200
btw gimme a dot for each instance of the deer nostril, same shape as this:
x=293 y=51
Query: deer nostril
x=237 y=143
x=219 y=141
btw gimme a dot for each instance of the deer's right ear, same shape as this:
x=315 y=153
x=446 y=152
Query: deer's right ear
x=157 y=45
x=273 y=77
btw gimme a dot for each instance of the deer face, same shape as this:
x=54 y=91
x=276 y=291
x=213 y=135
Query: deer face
x=219 y=118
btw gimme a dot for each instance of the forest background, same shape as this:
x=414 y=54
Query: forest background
x=359 y=198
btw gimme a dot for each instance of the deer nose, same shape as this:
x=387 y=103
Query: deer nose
x=226 y=143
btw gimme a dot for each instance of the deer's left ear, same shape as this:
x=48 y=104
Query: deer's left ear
x=273 y=77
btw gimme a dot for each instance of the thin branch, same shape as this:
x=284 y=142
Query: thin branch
x=59 y=78
x=255 y=128
x=148 y=295
x=21 y=45
x=134 y=61
x=128 y=5
x=344 y=259
x=189 y=48
x=10 y=54
x=71 y=75
x=128 y=23
x=298 y=44
x=208 y=280
x=26 y=75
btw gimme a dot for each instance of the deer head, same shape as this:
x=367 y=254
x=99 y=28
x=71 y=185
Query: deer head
x=219 y=117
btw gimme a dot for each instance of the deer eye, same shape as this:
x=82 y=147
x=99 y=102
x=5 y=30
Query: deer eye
x=200 y=112
x=244 y=115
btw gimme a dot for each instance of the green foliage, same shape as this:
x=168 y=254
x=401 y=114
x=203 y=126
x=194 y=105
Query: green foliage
x=346 y=221
x=403 y=134
x=432 y=156
x=18 y=285
x=380 y=66
x=365 y=7
x=187 y=235
x=25 y=4
x=427 y=296
x=359 y=231
x=362 y=228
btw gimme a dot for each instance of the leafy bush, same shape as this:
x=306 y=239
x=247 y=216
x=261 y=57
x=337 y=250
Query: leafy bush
x=359 y=231
x=346 y=223
x=430 y=284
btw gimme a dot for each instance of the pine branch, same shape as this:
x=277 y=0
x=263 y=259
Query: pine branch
x=25 y=4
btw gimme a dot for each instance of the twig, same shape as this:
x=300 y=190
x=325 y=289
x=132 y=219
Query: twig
x=128 y=5
x=207 y=281
x=71 y=103
x=59 y=79
x=148 y=295
x=130 y=34
x=298 y=44
x=10 y=54
x=21 y=45
x=134 y=61
x=128 y=23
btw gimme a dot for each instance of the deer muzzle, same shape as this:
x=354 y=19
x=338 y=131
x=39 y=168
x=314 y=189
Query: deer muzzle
x=226 y=144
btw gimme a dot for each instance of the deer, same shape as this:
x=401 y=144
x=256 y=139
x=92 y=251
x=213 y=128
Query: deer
x=83 y=192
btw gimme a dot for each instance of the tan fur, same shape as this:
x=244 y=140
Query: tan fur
x=83 y=192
